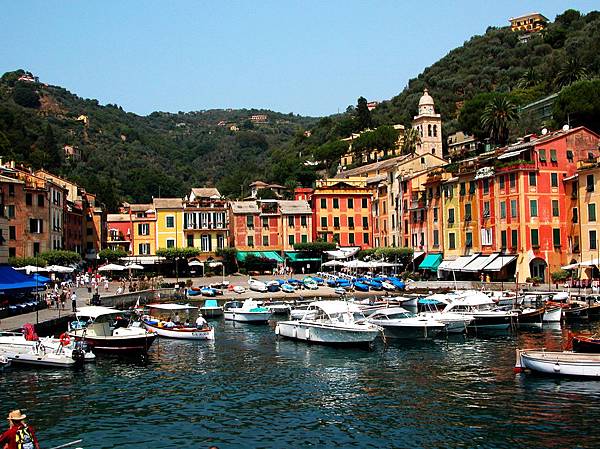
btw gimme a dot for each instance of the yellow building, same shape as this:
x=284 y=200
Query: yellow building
x=589 y=203
x=529 y=22
x=143 y=224
x=169 y=223
x=452 y=216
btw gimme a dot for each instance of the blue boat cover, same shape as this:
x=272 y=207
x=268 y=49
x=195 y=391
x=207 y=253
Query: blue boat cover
x=11 y=279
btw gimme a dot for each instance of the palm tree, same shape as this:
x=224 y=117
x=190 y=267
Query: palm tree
x=529 y=79
x=412 y=139
x=497 y=117
x=572 y=70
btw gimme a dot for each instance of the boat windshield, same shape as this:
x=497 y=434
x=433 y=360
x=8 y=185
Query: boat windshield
x=400 y=315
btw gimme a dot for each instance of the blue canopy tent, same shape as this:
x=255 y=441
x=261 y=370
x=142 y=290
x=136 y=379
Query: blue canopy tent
x=41 y=280
x=11 y=279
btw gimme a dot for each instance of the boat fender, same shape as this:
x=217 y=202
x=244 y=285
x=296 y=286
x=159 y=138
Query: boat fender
x=557 y=368
x=295 y=332
x=308 y=333
x=277 y=330
x=65 y=339
x=518 y=367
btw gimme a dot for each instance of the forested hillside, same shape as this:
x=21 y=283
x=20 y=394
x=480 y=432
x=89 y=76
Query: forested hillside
x=494 y=65
x=125 y=156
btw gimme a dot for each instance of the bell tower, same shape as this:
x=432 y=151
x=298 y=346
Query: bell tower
x=429 y=125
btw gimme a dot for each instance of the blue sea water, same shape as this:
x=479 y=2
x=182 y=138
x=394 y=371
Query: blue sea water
x=250 y=389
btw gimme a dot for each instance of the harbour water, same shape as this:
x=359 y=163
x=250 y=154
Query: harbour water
x=249 y=389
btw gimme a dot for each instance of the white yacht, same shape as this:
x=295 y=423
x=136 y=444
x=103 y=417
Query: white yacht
x=400 y=323
x=331 y=322
x=482 y=309
x=247 y=312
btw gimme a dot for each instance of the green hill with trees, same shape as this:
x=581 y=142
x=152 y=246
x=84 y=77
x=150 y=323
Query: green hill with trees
x=478 y=88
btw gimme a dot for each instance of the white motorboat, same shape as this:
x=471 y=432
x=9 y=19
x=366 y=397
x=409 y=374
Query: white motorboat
x=247 y=312
x=159 y=320
x=211 y=309
x=108 y=330
x=278 y=308
x=19 y=343
x=40 y=355
x=331 y=322
x=299 y=312
x=456 y=323
x=238 y=289
x=257 y=286
x=558 y=363
x=482 y=309
x=400 y=323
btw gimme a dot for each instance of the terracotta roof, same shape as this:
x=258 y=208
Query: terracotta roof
x=295 y=207
x=259 y=184
x=168 y=203
x=206 y=192
x=373 y=166
x=112 y=218
x=244 y=207
x=140 y=207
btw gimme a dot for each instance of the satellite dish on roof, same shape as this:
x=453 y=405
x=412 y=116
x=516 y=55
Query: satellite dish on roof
x=565 y=127
x=544 y=131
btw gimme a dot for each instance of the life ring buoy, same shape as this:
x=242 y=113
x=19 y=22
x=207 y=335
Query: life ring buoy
x=65 y=339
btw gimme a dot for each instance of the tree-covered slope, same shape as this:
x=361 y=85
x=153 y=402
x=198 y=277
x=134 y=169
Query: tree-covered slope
x=125 y=156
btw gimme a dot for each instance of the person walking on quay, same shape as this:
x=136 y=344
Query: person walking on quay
x=106 y=284
x=19 y=435
x=74 y=301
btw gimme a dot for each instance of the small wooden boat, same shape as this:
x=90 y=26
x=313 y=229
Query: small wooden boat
x=238 y=289
x=531 y=317
x=208 y=291
x=388 y=286
x=287 y=288
x=192 y=292
x=310 y=283
x=107 y=330
x=211 y=309
x=582 y=343
x=558 y=363
x=257 y=286
x=361 y=287
x=273 y=286
x=339 y=291
x=576 y=312
x=156 y=322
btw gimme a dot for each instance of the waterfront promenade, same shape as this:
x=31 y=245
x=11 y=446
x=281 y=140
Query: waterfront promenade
x=126 y=300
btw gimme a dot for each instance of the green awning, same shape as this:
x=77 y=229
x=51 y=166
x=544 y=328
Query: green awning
x=299 y=256
x=274 y=256
x=431 y=262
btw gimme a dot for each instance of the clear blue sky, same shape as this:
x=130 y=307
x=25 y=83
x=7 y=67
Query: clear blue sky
x=308 y=57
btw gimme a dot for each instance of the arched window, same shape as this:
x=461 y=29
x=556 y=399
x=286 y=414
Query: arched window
x=434 y=130
x=429 y=130
x=433 y=151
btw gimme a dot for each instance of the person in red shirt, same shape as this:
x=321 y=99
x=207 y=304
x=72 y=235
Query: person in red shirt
x=19 y=435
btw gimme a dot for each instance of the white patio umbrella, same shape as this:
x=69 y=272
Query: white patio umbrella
x=134 y=266
x=32 y=269
x=59 y=269
x=357 y=264
x=195 y=263
x=332 y=263
x=112 y=267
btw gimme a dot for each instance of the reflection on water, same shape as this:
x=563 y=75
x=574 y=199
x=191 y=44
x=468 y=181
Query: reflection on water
x=250 y=389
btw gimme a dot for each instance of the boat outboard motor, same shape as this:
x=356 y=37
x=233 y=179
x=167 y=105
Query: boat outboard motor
x=78 y=355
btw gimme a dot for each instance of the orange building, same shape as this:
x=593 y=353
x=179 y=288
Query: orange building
x=342 y=212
